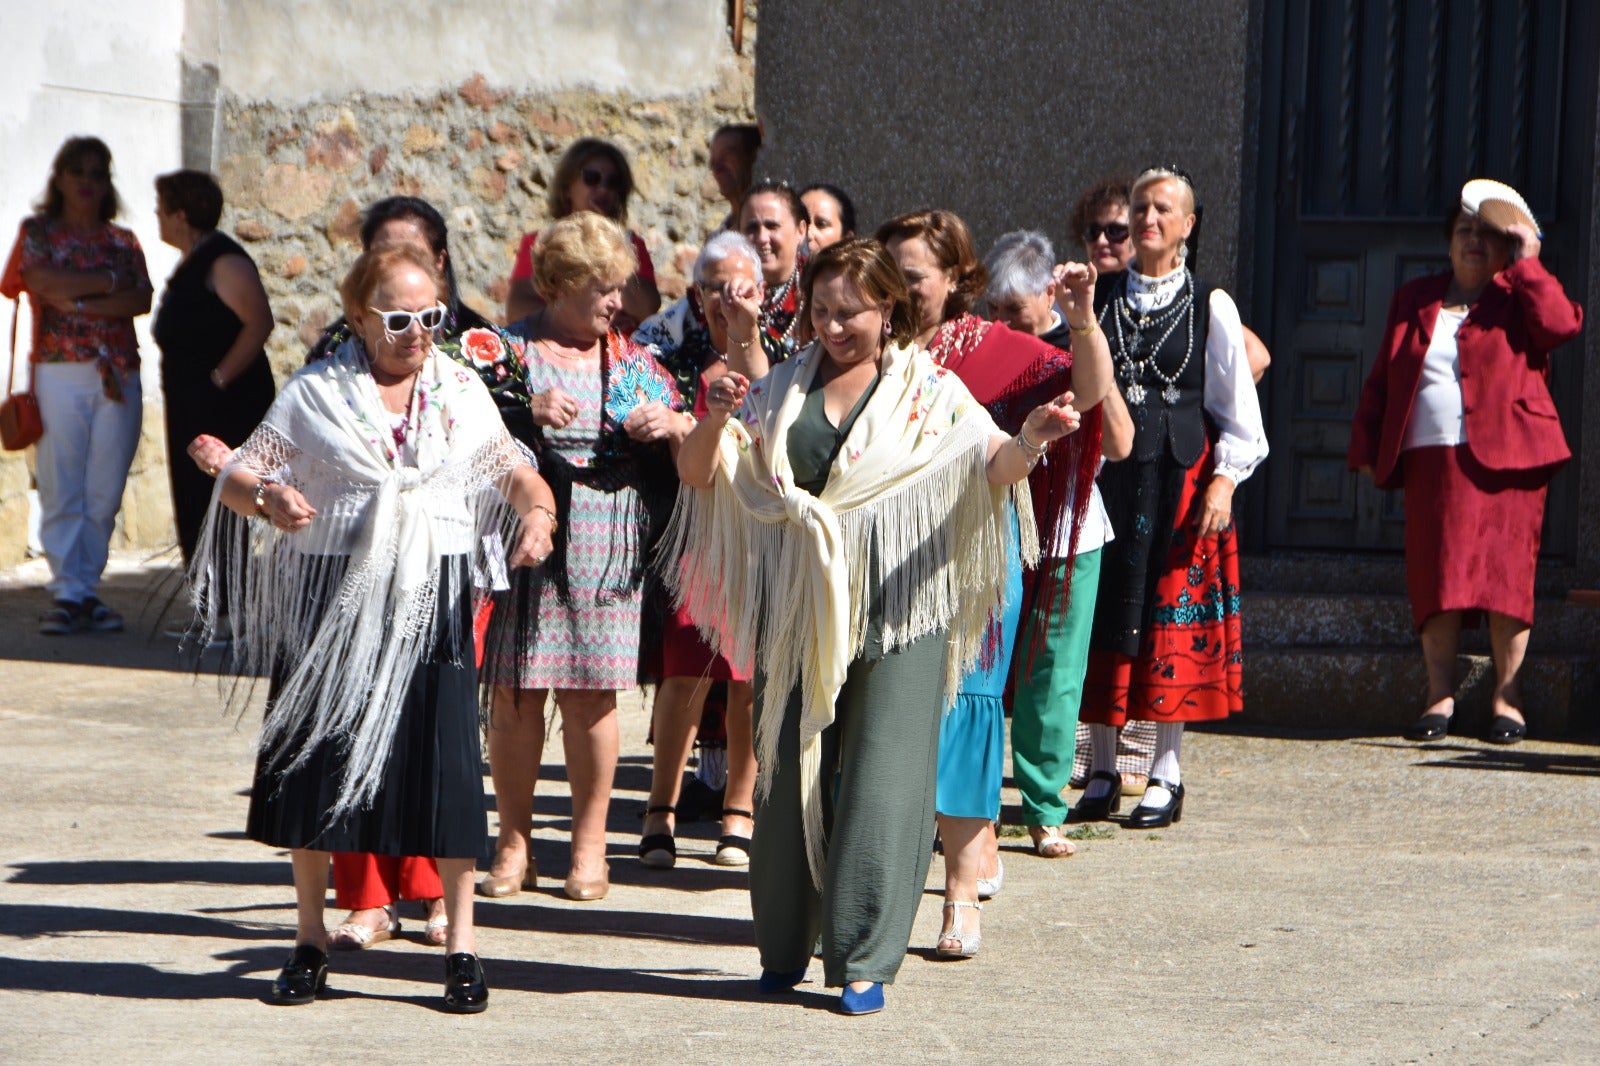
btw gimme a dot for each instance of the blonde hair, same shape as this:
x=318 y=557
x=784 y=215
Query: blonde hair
x=376 y=264
x=578 y=249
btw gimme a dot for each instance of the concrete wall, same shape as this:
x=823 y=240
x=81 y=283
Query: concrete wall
x=1004 y=113
x=310 y=109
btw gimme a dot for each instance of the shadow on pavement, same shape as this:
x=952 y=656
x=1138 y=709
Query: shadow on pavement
x=35 y=920
x=584 y=920
x=1515 y=759
x=147 y=872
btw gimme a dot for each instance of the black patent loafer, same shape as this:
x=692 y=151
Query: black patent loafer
x=1099 y=808
x=1143 y=817
x=465 y=990
x=1506 y=730
x=302 y=978
x=1429 y=727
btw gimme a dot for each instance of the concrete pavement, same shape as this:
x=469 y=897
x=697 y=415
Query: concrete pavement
x=1326 y=899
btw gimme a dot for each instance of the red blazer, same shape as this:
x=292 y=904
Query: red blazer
x=1504 y=347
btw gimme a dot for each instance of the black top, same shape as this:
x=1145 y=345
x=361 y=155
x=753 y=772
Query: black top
x=193 y=326
x=1180 y=426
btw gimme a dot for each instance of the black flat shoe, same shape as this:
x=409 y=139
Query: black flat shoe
x=1099 y=808
x=1142 y=817
x=659 y=851
x=465 y=991
x=302 y=978
x=1506 y=730
x=1429 y=727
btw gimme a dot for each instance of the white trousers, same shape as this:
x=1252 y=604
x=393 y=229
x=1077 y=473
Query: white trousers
x=82 y=463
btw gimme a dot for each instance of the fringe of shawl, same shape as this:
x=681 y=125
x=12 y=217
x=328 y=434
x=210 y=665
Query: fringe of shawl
x=741 y=568
x=302 y=610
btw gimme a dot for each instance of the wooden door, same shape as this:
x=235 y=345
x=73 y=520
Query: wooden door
x=1374 y=113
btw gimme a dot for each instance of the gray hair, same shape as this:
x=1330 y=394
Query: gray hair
x=720 y=247
x=1021 y=263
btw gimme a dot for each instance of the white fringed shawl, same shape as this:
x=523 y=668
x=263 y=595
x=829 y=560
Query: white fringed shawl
x=766 y=569
x=345 y=663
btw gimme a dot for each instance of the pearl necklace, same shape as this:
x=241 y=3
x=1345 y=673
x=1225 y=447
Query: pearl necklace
x=1133 y=357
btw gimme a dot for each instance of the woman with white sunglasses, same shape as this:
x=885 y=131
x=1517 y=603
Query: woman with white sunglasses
x=592 y=175
x=371 y=494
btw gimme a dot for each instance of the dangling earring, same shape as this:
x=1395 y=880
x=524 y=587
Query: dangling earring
x=888 y=328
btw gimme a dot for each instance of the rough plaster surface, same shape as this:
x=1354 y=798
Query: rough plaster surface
x=292 y=51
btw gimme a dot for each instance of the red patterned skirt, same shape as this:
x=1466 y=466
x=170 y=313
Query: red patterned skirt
x=1472 y=535
x=1190 y=665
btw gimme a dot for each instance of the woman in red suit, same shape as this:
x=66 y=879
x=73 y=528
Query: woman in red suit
x=1457 y=411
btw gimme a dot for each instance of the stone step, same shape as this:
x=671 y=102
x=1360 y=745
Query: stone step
x=1377 y=574
x=1301 y=619
x=1381 y=690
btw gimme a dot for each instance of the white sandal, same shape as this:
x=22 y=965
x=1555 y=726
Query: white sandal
x=1049 y=836
x=967 y=944
x=437 y=931
x=353 y=935
x=989 y=887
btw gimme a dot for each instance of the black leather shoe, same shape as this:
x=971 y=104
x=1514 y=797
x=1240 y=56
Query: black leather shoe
x=465 y=990
x=1506 y=730
x=1142 y=817
x=1429 y=727
x=302 y=977
x=1099 y=808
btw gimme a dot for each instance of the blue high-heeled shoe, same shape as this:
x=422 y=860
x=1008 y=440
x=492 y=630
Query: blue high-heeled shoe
x=774 y=983
x=868 y=1001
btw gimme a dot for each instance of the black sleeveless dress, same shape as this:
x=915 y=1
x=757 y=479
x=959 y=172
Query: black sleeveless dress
x=195 y=329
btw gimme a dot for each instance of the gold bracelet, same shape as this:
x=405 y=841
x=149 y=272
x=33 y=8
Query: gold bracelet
x=1085 y=331
x=555 y=523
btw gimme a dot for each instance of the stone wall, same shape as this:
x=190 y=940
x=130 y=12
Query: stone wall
x=296 y=177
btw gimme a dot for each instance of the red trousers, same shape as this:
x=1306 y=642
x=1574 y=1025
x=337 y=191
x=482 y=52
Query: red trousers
x=362 y=881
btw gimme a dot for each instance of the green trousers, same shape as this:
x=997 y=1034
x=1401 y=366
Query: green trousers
x=1044 y=714
x=884 y=747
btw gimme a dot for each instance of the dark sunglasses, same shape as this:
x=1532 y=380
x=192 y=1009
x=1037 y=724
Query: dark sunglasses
x=594 y=179
x=1116 y=232
x=400 y=321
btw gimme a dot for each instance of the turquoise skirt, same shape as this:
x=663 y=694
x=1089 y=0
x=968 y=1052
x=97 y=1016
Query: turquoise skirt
x=972 y=736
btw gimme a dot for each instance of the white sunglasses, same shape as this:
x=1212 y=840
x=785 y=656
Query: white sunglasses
x=398 y=322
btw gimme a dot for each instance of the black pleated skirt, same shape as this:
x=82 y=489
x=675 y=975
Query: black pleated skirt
x=431 y=799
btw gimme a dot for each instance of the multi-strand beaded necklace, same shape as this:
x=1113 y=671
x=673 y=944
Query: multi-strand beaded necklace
x=1132 y=353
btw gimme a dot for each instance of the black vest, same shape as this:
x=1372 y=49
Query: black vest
x=1180 y=427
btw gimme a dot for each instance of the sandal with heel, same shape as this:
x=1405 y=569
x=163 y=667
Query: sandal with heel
x=967 y=944
x=659 y=851
x=733 y=849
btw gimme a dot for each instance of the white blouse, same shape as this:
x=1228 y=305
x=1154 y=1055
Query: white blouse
x=1230 y=394
x=1436 y=415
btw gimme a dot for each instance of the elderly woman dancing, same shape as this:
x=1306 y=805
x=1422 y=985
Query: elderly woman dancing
x=1457 y=411
x=378 y=472
x=1166 y=640
x=848 y=532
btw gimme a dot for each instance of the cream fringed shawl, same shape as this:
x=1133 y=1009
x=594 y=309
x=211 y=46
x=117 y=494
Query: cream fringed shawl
x=776 y=576
x=342 y=612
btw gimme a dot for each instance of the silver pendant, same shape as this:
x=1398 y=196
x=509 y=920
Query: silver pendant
x=1170 y=394
x=1136 y=394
